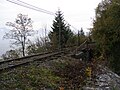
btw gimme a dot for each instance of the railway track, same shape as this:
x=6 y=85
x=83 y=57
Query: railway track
x=13 y=63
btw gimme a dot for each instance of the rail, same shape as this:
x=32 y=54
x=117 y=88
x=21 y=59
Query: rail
x=9 y=64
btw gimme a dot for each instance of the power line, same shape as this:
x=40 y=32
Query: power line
x=24 y=4
x=71 y=25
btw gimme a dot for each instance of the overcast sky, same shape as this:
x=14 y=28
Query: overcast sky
x=79 y=13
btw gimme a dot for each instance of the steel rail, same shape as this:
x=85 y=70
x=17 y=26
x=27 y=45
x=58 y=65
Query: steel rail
x=10 y=64
x=10 y=60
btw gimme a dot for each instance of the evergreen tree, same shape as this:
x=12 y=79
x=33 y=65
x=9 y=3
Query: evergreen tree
x=61 y=31
x=106 y=31
x=82 y=32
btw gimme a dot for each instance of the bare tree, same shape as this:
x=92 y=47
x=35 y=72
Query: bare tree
x=21 y=30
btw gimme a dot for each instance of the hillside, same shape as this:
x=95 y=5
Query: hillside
x=65 y=72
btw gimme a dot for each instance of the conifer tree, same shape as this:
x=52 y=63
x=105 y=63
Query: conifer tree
x=61 y=31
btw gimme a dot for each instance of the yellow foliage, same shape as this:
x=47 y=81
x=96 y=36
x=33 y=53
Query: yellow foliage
x=88 y=71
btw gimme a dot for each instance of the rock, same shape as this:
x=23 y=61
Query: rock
x=105 y=80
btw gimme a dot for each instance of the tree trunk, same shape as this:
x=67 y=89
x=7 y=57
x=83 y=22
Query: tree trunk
x=23 y=49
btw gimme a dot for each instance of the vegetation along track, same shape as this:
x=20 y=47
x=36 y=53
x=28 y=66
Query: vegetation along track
x=9 y=64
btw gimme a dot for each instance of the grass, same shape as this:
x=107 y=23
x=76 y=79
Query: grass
x=28 y=78
x=51 y=74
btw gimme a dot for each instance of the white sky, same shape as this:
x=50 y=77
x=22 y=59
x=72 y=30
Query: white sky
x=79 y=13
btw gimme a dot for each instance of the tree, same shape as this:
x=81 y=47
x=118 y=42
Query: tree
x=31 y=48
x=22 y=29
x=38 y=46
x=106 y=31
x=11 y=54
x=82 y=32
x=72 y=41
x=81 y=37
x=61 y=31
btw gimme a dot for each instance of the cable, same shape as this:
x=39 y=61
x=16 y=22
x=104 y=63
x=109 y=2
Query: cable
x=71 y=25
x=46 y=11
x=21 y=3
x=24 y=4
